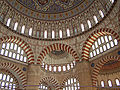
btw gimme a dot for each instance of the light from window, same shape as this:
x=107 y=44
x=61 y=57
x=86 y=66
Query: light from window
x=82 y=27
x=2 y=51
x=59 y=68
x=68 y=67
x=50 y=68
x=6 y=82
x=11 y=47
x=95 y=19
x=112 y=1
x=54 y=68
x=117 y=82
x=89 y=23
x=8 y=45
x=3 y=45
x=60 y=34
x=15 y=47
x=64 y=68
x=102 y=44
x=72 y=84
x=101 y=13
x=30 y=31
x=109 y=83
x=14 y=51
x=23 y=29
x=10 y=54
x=45 y=34
x=8 y=22
x=15 y=26
x=53 y=34
x=68 y=32
x=102 y=84
x=6 y=53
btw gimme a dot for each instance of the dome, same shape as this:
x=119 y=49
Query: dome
x=59 y=44
x=50 y=9
x=54 y=19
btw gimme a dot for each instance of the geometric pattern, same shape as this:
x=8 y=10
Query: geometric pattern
x=17 y=70
x=22 y=44
x=98 y=67
x=57 y=46
x=93 y=37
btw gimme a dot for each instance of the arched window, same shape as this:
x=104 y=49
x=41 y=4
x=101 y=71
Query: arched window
x=68 y=32
x=43 y=87
x=53 y=34
x=75 y=30
x=95 y=19
x=23 y=29
x=64 y=68
x=30 y=31
x=101 y=13
x=109 y=83
x=59 y=68
x=8 y=22
x=89 y=23
x=112 y=1
x=50 y=68
x=45 y=34
x=117 y=82
x=15 y=26
x=54 y=68
x=7 y=82
x=102 y=84
x=102 y=44
x=12 y=50
x=71 y=84
x=82 y=27
x=60 y=34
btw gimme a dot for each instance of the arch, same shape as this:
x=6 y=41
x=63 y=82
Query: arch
x=17 y=70
x=90 y=40
x=97 y=68
x=22 y=44
x=50 y=80
x=68 y=78
x=57 y=46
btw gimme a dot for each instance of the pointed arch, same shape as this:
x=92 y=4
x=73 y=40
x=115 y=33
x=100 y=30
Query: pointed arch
x=98 y=67
x=11 y=67
x=27 y=49
x=57 y=46
x=51 y=81
x=73 y=80
x=93 y=37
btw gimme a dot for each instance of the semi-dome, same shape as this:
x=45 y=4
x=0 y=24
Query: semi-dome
x=53 y=19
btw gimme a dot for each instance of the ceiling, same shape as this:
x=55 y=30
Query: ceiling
x=50 y=9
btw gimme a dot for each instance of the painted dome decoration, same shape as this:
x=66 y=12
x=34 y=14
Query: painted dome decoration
x=50 y=9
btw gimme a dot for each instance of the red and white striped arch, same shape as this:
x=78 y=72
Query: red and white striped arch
x=57 y=46
x=50 y=80
x=66 y=79
x=93 y=37
x=22 y=44
x=98 y=67
x=9 y=66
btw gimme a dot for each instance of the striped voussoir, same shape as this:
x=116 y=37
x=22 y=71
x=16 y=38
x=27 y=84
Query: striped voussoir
x=93 y=37
x=57 y=46
x=23 y=45
x=66 y=79
x=50 y=81
x=99 y=66
x=9 y=66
